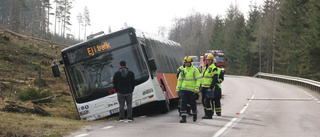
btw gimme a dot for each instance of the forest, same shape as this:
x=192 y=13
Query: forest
x=279 y=36
x=34 y=17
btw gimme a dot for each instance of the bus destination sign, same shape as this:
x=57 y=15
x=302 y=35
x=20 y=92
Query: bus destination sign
x=96 y=49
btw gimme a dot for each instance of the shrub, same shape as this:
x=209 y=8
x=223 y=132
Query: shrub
x=32 y=93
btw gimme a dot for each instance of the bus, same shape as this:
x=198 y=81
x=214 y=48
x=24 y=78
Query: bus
x=89 y=68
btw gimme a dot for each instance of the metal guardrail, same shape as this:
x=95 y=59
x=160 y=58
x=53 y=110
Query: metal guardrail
x=311 y=84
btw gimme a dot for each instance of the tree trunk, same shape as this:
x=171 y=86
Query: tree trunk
x=55 y=20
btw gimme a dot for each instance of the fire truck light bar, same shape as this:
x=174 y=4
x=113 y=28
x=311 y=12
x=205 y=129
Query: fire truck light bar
x=211 y=51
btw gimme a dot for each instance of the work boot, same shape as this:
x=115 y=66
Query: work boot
x=183 y=120
x=219 y=114
x=194 y=117
x=206 y=117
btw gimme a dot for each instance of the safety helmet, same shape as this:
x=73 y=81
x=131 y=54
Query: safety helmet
x=210 y=57
x=187 y=59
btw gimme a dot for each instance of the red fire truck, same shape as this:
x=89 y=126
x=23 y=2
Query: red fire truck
x=218 y=56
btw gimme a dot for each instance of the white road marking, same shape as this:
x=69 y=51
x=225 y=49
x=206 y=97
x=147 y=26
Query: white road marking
x=107 y=127
x=244 y=108
x=222 y=130
x=312 y=97
x=232 y=123
x=304 y=99
x=251 y=97
x=82 y=135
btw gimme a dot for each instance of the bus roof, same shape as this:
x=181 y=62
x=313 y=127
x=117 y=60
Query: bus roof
x=142 y=34
x=139 y=33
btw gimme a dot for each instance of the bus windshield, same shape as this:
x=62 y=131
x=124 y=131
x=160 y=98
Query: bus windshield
x=92 y=79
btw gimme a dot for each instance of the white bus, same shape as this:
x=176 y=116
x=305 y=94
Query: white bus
x=89 y=67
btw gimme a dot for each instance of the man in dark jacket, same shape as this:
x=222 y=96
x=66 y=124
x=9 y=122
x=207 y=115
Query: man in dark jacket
x=124 y=83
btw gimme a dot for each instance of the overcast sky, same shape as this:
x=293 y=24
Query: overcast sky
x=147 y=15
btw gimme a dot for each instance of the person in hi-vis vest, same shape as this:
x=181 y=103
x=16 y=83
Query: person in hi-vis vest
x=210 y=89
x=188 y=84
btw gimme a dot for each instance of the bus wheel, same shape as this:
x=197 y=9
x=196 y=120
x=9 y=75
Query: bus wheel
x=164 y=105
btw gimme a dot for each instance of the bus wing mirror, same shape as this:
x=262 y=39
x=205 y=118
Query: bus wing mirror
x=152 y=64
x=55 y=70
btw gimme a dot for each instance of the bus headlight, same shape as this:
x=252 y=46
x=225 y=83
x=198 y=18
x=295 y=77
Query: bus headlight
x=222 y=69
x=84 y=112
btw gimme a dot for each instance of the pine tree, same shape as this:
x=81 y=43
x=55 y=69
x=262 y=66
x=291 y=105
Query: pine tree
x=86 y=19
x=217 y=37
x=80 y=21
x=312 y=39
x=234 y=25
x=251 y=30
x=290 y=31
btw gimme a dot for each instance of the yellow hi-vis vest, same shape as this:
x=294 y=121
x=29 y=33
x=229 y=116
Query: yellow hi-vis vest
x=207 y=75
x=180 y=68
x=189 y=79
x=219 y=78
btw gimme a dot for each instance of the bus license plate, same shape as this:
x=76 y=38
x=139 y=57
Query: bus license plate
x=114 y=111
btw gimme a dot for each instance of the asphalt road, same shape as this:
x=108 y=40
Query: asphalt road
x=273 y=109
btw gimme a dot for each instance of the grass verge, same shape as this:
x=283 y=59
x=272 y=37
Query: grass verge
x=25 y=125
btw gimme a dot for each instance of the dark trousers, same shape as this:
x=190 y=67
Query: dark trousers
x=203 y=97
x=122 y=98
x=217 y=102
x=187 y=97
x=211 y=104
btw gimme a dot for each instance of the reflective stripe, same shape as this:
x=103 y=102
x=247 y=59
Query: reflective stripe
x=187 y=89
x=184 y=114
x=194 y=74
x=206 y=77
x=189 y=80
x=208 y=108
x=218 y=110
x=206 y=85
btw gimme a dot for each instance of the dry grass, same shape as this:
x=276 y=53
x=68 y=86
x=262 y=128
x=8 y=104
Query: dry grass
x=21 y=62
x=13 y=124
x=63 y=119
